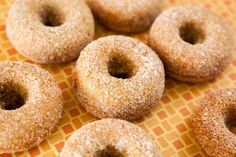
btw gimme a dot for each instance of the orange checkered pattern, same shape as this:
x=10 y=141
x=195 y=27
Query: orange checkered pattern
x=169 y=122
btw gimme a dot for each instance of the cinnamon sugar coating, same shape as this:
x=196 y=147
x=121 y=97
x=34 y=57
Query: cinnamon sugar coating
x=50 y=31
x=194 y=44
x=110 y=137
x=212 y=120
x=127 y=16
x=118 y=77
x=34 y=108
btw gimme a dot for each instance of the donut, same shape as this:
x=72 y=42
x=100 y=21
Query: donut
x=118 y=77
x=30 y=106
x=212 y=121
x=50 y=31
x=126 y=16
x=110 y=137
x=194 y=44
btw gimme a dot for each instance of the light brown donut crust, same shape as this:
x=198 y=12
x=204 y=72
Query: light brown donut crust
x=46 y=45
x=108 y=97
x=127 y=16
x=182 y=60
x=209 y=123
x=125 y=137
x=27 y=126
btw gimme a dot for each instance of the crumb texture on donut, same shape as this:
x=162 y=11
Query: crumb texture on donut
x=194 y=44
x=31 y=105
x=110 y=137
x=47 y=32
x=212 y=122
x=118 y=77
x=127 y=16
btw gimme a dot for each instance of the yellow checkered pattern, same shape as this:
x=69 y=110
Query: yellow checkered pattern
x=169 y=122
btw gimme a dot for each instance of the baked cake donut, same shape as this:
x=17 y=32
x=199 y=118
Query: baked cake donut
x=110 y=137
x=118 y=77
x=194 y=44
x=46 y=31
x=127 y=16
x=212 y=121
x=30 y=106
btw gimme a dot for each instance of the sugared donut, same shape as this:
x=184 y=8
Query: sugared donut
x=194 y=44
x=127 y=16
x=118 y=77
x=30 y=106
x=50 y=31
x=110 y=137
x=212 y=121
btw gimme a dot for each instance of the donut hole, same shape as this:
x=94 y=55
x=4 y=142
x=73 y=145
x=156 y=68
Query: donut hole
x=121 y=67
x=192 y=33
x=109 y=151
x=12 y=96
x=230 y=121
x=51 y=16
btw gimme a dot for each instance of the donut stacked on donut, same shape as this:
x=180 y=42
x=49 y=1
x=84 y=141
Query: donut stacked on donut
x=47 y=32
x=118 y=77
x=110 y=137
x=212 y=120
x=127 y=16
x=194 y=44
x=30 y=106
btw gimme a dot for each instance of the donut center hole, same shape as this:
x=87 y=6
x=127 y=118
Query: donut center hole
x=109 y=151
x=192 y=33
x=52 y=17
x=230 y=121
x=11 y=97
x=121 y=67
